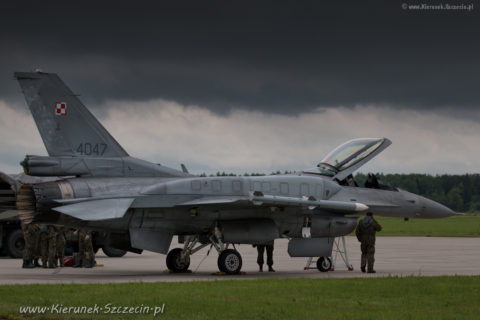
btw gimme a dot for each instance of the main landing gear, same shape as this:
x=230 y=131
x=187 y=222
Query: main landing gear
x=229 y=260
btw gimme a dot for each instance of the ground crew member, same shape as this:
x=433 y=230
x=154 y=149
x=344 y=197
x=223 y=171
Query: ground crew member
x=260 y=249
x=365 y=232
x=86 y=257
x=52 y=247
x=36 y=252
x=61 y=243
x=43 y=244
x=48 y=235
x=26 y=208
x=29 y=235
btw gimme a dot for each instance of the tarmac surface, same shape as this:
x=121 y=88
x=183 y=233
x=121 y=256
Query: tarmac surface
x=395 y=256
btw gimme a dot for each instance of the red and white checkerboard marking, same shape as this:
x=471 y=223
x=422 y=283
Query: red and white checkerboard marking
x=61 y=108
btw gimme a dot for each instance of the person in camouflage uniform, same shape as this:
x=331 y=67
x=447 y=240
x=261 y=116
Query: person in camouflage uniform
x=36 y=252
x=48 y=237
x=43 y=244
x=86 y=257
x=25 y=203
x=30 y=235
x=52 y=247
x=260 y=250
x=365 y=232
x=61 y=243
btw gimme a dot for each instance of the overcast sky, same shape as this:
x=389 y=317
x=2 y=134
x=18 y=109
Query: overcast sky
x=254 y=86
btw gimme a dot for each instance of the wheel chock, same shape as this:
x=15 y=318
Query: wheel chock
x=221 y=273
x=171 y=271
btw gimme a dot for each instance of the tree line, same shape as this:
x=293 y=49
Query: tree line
x=460 y=193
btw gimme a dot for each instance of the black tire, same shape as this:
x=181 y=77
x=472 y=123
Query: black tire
x=173 y=261
x=230 y=261
x=113 y=252
x=324 y=264
x=15 y=244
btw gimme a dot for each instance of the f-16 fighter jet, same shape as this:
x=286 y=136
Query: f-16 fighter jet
x=143 y=205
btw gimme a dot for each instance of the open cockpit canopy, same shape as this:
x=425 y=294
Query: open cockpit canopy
x=350 y=156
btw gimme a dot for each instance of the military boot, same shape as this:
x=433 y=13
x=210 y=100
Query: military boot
x=28 y=264
x=36 y=263
x=260 y=268
x=88 y=263
x=270 y=269
x=61 y=263
x=79 y=264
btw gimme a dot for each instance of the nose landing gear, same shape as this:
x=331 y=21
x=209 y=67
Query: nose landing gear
x=324 y=264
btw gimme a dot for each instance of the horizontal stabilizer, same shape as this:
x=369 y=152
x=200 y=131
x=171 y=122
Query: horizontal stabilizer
x=8 y=214
x=258 y=198
x=97 y=209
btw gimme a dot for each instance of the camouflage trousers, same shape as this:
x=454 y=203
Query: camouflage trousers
x=85 y=247
x=31 y=234
x=61 y=243
x=260 y=250
x=368 y=255
x=48 y=248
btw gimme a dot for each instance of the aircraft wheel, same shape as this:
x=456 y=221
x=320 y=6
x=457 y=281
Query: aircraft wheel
x=15 y=243
x=113 y=252
x=230 y=261
x=175 y=263
x=324 y=264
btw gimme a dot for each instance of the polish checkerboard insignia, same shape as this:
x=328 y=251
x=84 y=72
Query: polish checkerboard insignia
x=61 y=108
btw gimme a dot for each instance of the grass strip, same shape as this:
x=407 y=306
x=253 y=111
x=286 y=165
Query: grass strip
x=453 y=297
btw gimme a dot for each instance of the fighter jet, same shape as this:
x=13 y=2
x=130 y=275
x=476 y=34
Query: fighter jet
x=143 y=205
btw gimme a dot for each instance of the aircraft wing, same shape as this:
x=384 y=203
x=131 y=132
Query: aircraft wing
x=94 y=209
x=258 y=199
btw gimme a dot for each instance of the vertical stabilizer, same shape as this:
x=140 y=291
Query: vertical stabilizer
x=66 y=126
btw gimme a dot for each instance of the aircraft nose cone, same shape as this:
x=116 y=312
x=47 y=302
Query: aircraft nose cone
x=432 y=209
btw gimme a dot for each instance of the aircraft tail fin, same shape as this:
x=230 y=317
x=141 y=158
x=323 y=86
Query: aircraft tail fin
x=65 y=124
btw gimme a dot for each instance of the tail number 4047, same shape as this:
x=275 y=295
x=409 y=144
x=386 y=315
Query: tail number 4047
x=89 y=149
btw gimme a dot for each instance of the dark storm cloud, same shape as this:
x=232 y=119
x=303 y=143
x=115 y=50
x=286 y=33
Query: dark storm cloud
x=274 y=57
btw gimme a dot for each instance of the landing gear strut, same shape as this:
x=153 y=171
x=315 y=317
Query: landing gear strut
x=229 y=260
